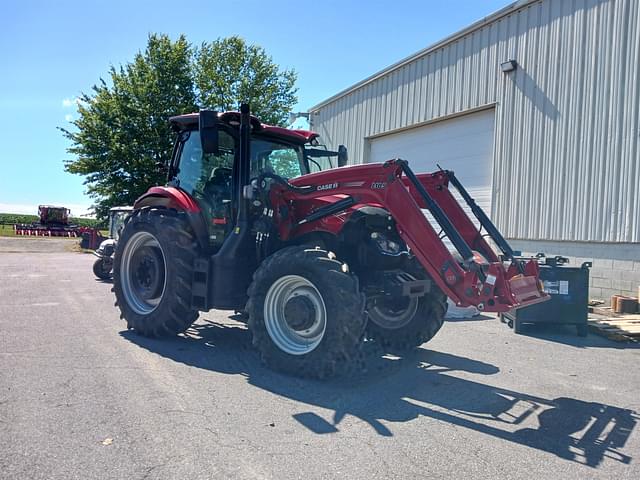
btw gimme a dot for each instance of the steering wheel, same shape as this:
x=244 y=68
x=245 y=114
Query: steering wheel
x=221 y=176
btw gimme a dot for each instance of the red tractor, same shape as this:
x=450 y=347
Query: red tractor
x=257 y=218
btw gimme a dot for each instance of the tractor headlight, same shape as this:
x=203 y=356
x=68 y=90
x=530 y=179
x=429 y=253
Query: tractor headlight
x=384 y=244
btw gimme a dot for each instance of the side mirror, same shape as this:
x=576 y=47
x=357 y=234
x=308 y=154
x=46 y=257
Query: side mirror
x=208 y=126
x=342 y=156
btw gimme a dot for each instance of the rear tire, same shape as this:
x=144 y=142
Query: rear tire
x=424 y=317
x=152 y=273
x=306 y=312
x=100 y=270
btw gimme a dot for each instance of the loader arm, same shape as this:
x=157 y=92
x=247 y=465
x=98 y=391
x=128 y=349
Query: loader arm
x=488 y=285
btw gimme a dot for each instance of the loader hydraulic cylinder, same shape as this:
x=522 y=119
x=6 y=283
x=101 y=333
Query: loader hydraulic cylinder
x=452 y=233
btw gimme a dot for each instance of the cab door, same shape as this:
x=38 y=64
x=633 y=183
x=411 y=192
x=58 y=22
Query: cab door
x=208 y=178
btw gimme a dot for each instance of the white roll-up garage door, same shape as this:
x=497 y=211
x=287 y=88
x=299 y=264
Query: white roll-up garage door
x=463 y=144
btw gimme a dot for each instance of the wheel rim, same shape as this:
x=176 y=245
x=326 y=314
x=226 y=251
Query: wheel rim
x=144 y=273
x=295 y=315
x=106 y=267
x=391 y=313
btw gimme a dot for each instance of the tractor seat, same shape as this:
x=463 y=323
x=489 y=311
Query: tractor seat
x=218 y=187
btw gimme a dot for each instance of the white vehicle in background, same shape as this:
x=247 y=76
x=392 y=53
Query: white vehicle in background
x=103 y=266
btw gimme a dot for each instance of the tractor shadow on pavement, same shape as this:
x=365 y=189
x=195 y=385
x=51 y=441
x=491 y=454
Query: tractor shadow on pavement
x=423 y=383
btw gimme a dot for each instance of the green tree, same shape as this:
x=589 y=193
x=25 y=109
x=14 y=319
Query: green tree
x=229 y=72
x=122 y=131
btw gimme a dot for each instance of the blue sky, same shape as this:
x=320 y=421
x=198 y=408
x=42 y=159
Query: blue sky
x=51 y=51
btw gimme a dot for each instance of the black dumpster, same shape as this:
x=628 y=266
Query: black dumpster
x=569 y=291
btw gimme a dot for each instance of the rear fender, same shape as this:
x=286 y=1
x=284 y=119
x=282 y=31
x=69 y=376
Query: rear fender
x=176 y=199
x=168 y=197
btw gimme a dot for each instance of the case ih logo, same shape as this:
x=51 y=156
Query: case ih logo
x=328 y=186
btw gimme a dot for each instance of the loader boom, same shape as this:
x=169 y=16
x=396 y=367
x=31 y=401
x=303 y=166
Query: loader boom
x=479 y=280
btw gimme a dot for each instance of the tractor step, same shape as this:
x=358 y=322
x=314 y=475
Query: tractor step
x=400 y=283
x=199 y=284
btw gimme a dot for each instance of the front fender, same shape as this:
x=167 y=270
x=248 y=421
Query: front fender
x=108 y=244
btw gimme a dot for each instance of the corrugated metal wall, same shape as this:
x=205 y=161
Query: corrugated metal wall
x=567 y=146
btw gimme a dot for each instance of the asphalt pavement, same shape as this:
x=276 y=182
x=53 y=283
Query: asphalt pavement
x=82 y=398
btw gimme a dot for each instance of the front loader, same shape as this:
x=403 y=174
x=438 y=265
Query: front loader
x=319 y=255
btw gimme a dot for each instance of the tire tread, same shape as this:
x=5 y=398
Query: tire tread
x=345 y=311
x=173 y=315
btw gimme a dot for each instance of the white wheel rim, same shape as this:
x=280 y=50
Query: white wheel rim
x=140 y=304
x=295 y=336
x=384 y=318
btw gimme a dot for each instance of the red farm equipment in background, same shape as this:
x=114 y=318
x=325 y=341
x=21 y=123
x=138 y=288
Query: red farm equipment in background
x=54 y=222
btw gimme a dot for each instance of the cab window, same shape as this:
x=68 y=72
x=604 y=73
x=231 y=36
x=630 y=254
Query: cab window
x=198 y=172
x=319 y=164
x=208 y=179
x=276 y=158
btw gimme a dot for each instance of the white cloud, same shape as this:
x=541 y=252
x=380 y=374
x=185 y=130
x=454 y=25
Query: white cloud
x=78 y=210
x=68 y=117
x=18 y=208
x=72 y=102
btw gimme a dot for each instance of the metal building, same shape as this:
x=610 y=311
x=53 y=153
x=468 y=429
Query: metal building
x=549 y=143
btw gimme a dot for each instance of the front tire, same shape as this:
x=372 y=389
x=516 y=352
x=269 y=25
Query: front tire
x=306 y=312
x=102 y=269
x=152 y=273
x=404 y=323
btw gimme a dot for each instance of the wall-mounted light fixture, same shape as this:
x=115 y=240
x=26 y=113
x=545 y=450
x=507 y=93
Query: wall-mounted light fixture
x=294 y=116
x=508 y=66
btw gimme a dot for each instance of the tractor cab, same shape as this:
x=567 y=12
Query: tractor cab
x=50 y=215
x=117 y=216
x=208 y=177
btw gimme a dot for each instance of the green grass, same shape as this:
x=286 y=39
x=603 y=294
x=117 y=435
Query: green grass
x=6 y=231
